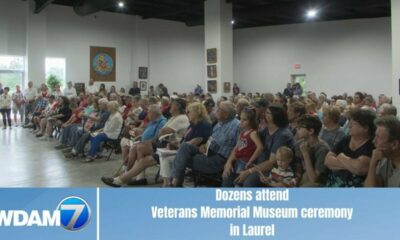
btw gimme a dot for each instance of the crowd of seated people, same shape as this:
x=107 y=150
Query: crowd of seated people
x=247 y=140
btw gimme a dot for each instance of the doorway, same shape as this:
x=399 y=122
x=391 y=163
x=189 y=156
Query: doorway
x=301 y=79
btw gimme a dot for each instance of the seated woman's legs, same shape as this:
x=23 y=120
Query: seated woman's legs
x=49 y=127
x=42 y=125
x=144 y=149
x=132 y=156
x=95 y=144
x=140 y=165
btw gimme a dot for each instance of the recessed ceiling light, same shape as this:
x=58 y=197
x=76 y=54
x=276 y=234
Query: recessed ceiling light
x=121 y=4
x=233 y=22
x=312 y=13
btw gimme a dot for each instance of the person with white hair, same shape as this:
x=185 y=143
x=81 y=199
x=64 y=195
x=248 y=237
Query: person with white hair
x=111 y=130
x=141 y=150
x=70 y=91
x=94 y=123
x=387 y=109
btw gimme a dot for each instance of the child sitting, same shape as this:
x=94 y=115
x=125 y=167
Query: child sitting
x=281 y=176
x=247 y=149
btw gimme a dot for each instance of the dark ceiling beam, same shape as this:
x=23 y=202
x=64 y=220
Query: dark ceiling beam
x=40 y=5
x=87 y=7
x=165 y=10
x=295 y=9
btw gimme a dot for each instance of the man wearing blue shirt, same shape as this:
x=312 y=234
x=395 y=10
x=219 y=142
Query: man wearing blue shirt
x=222 y=141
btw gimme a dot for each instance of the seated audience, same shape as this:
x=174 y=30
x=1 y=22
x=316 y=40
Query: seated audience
x=111 y=131
x=348 y=161
x=248 y=148
x=282 y=175
x=387 y=109
x=331 y=132
x=139 y=150
x=209 y=160
x=385 y=161
x=311 y=151
x=275 y=135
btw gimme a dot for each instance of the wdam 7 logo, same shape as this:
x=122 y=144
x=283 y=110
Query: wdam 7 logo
x=74 y=213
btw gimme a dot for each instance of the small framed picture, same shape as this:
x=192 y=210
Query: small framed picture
x=212 y=86
x=227 y=87
x=143 y=85
x=212 y=55
x=212 y=71
x=143 y=72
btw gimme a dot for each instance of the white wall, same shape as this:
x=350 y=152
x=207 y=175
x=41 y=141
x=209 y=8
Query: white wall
x=176 y=56
x=12 y=27
x=70 y=36
x=172 y=51
x=396 y=51
x=337 y=57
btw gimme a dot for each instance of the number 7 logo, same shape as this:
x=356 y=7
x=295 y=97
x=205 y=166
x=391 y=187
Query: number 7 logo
x=74 y=213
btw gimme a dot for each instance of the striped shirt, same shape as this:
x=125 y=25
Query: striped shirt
x=284 y=176
x=224 y=137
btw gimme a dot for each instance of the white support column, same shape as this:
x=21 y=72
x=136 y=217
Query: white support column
x=218 y=34
x=36 y=35
x=396 y=52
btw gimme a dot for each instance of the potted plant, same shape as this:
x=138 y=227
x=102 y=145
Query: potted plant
x=52 y=81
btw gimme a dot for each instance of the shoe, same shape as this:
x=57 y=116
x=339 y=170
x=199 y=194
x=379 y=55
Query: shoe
x=87 y=160
x=66 y=150
x=69 y=155
x=39 y=135
x=139 y=182
x=60 y=147
x=109 y=181
x=44 y=138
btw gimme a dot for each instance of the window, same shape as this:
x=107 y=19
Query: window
x=56 y=67
x=12 y=71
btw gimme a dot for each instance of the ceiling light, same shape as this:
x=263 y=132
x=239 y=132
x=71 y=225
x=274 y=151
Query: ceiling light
x=233 y=22
x=312 y=13
x=121 y=4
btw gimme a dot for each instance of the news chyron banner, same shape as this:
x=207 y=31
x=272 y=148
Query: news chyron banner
x=264 y=213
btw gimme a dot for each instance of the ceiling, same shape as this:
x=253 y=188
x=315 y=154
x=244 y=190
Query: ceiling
x=246 y=13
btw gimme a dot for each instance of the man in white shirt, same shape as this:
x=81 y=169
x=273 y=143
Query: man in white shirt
x=30 y=96
x=70 y=91
x=91 y=89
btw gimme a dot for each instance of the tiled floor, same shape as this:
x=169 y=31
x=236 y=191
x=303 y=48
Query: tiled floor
x=26 y=161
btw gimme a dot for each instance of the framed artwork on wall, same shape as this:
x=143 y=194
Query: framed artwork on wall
x=212 y=55
x=227 y=87
x=143 y=71
x=212 y=71
x=102 y=64
x=212 y=86
x=143 y=85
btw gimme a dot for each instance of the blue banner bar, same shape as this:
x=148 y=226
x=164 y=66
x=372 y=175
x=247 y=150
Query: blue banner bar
x=198 y=214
